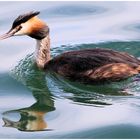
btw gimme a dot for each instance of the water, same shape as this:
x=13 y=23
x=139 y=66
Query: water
x=35 y=105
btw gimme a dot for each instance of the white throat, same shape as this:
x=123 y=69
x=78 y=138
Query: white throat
x=42 y=54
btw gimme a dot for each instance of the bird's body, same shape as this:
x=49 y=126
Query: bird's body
x=88 y=66
x=94 y=65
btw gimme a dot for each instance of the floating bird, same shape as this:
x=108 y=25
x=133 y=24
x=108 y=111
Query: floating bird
x=90 y=66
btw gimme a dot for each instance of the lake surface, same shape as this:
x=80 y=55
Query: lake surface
x=38 y=105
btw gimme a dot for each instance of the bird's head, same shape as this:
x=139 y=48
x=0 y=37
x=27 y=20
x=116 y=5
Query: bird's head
x=28 y=24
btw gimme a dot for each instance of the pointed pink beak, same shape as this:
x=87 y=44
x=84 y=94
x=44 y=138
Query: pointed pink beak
x=9 y=34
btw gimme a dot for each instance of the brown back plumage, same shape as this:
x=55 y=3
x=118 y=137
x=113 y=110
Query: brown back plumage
x=94 y=65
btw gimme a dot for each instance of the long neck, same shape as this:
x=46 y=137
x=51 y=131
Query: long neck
x=43 y=51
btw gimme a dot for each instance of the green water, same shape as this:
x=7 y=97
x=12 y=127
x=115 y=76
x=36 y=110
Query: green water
x=35 y=104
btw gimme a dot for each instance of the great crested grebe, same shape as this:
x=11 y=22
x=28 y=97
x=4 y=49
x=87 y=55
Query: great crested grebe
x=88 y=66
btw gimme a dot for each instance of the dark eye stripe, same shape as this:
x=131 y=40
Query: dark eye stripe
x=18 y=28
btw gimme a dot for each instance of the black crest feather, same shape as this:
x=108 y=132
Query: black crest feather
x=23 y=18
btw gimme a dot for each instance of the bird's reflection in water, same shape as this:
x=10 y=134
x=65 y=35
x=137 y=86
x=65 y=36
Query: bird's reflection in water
x=32 y=118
